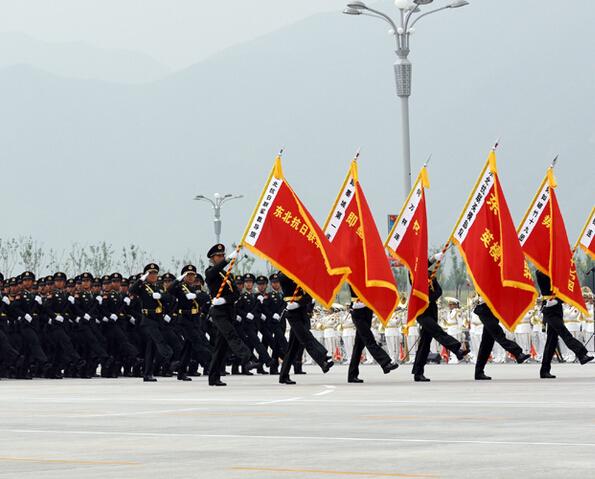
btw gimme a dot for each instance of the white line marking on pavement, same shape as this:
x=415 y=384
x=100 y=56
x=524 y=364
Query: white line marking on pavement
x=135 y=413
x=277 y=401
x=328 y=390
x=326 y=439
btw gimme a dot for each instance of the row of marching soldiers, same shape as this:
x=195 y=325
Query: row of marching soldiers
x=149 y=325
x=335 y=329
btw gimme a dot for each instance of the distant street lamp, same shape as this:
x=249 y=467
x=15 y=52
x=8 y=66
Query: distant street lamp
x=402 y=31
x=217 y=203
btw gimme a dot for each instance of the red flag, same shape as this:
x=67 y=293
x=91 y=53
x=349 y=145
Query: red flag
x=544 y=241
x=282 y=231
x=351 y=230
x=586 y=239
x=408 y=242
x=486 y=238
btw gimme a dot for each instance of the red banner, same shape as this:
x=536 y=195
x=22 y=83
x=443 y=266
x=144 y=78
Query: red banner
x=408 y=242
x=487 y=240
x=545 y=242
x=350 y=228
x=283 y=232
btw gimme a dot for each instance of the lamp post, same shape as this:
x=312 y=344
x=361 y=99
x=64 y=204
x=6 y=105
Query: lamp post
x=410 y=13
x=217 y=203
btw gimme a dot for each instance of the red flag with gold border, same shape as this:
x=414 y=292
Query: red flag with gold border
x=486 y=238
x=586 y=239
x=544 y=241
x=351 y=229
x=282 y=231
x=408 y=242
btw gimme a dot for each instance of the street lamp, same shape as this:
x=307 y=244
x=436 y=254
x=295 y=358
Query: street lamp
x=218 y=201
x=410 y=13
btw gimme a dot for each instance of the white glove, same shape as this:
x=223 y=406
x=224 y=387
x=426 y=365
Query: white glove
x=551 y=302
x=71 y=299
x=182 y=276
x=144 y=276
x=5 y=300
x=358 y=305
x=190 y=296
x=263 y=317
x=28 y=317
x=59 y=318
x=87 y=316
x=77 y=320
x=239 y=319
x=292 y=305
x=218 y=301
x=233 y=255
x=167 y=318
x=38 y=300
x=276 y=316
x=127 y=301
x=156 y=295
x=260 y=298
x=250 y=316
x=438 y=256
x=113 y=317
x=99 y=299
x=49 y=321
x=132 y=320
x=104 y=319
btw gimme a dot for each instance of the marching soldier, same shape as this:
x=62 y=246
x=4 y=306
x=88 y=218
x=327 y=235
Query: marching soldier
x=189 y=318
x=362 y=318
x=428 y=320
x=152 y=311
x=493 y=332
x=553 y=319
x=298 y=311
x=224 y=294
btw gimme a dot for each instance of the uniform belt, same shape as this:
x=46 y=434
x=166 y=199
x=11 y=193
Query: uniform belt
x=151 y=311
x=292 y=298
x=193 y=311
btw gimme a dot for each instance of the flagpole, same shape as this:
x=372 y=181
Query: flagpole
x=228 y=272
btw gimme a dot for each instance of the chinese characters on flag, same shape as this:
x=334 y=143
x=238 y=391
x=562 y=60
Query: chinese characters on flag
x=408 y=242
x=351 y=230
x=487 y=240
x=544 y=241
x=586 y=239
x=283 y=232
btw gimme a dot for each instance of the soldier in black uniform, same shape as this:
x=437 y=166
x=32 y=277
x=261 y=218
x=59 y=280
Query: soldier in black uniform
x=364 y=338
x=27 y=306
x=493 y=332
x=224 y=294
x=277 y=325
x=9 y=355
x=553 y=318
x=298 y=312
x=188 y=310
x=87 y=310
x=428 y=320
x=247 y=308
x=58 y=307
x=118 y=345
x=152 y=314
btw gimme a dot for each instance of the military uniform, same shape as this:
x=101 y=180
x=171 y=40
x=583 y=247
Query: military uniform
x=224 y=294
x=298 y=311
x=151 y=315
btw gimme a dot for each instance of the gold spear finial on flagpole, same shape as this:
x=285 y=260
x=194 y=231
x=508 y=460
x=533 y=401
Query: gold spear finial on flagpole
x=357 y=153
x=496 y=144
x=554 y=161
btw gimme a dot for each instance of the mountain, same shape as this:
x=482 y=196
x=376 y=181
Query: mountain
x=79 y=60
x=94 y=160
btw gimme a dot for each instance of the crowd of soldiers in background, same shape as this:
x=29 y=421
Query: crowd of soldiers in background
x=55 y=327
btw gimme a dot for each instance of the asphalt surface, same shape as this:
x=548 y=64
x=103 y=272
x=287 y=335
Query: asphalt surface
x=453 y=427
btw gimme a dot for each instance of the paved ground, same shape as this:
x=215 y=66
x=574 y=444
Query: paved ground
x=515 y=426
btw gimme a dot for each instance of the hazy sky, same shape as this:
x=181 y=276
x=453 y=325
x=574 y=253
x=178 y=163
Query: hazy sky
x=175 y=32
x=319 y=85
